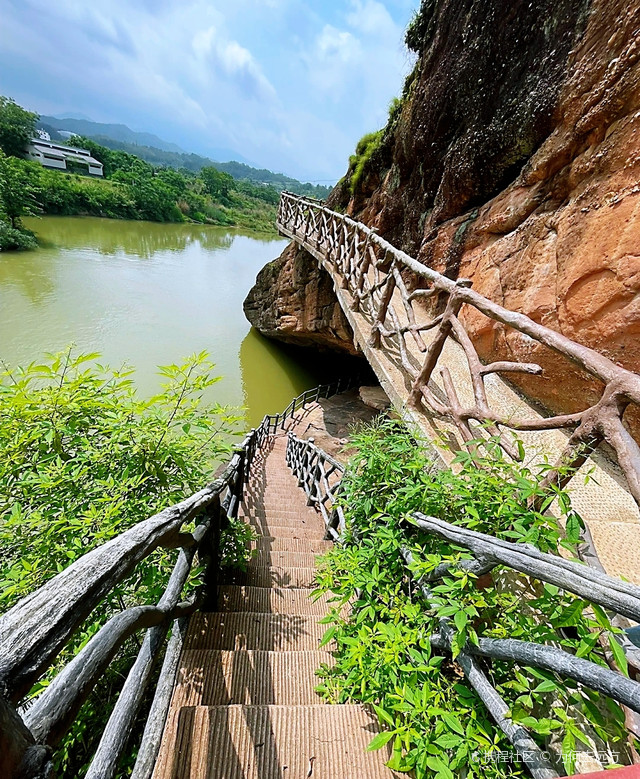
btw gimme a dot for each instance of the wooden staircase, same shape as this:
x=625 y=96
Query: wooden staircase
x=244 y=705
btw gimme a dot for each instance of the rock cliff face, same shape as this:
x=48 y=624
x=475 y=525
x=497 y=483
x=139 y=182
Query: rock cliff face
x=513 y=159
x=293 y=301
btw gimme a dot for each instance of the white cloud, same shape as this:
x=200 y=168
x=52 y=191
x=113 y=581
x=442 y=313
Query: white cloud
x=288 y=85
x=373 y=19
x=234 y=61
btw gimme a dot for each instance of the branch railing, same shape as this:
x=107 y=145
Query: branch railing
x=483 y=553
x=35 y=631
x=389 y=288
x=319 y=475
x=272 y=423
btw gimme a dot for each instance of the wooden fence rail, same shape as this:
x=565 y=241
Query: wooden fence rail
x=37 y=628
x=311 y=465
x=319 y=475
x=388 y=288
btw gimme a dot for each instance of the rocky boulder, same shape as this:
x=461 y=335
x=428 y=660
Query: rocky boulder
x=293 y=300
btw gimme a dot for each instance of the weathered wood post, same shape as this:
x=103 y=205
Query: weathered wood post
x=454 y=304
x=305 y=464
x=209 y=556
x=20 y=756
x=387 y=294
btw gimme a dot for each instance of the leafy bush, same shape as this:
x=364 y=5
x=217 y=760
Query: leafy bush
x=60 y=193
x=17 y=126
x=17 y=190
x=365 y=149
x=83 y=458
x=13 y=239
x=436 y=721
x=422 y=27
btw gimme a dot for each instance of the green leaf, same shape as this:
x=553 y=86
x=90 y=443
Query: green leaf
x=460 y=620
x=618 y=655
x=440 y=767
x=448 y=741
x=380 y=740
x=384 y=715
x=547 y=686
x=453 y=723
x=569 y=754
x=328 y=635
x=587 y=645
x=573 y=527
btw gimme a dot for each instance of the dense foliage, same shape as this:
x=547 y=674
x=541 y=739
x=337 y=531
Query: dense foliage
x=84 y=458
x=17 y=199
x=365 y=149
x=421 y=27
x=133 y=189
x=17 y=126
x=434 y=719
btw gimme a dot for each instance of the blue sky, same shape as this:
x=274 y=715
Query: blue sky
x=289 y=84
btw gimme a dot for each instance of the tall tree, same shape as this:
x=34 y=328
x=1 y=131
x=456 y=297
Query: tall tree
x=218 y=184
x=17 y=127
x=18 y=188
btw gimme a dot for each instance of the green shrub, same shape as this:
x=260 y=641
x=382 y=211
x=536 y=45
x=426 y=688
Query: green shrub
x=433 y=716
x=83 y=458
x=422 y=27
x=12 y=238
x=61 y=193
x=365 y=149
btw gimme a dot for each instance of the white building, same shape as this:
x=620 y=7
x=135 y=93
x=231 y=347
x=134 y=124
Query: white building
x=54 y=155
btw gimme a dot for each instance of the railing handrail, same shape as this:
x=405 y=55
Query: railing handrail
x=487 y=552
x=35 y=630
x=314 y=469
x=370 y=268
x=271 y=422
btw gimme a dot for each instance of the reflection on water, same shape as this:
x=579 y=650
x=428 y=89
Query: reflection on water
x=271 y=376
x=147 y=294
x=140 y=239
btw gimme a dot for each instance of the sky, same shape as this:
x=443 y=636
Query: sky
x=291 y=85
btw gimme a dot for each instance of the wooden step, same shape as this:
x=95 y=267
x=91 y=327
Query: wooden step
x=302 y=545
x=283 y=519
x=276 y=530
x=283 y=559
x=274 y=576
x=274 y=600
x=271 y=742
x=251 y=630
x=219 y=678
x=303 y=512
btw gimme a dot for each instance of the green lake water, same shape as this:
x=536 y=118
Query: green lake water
x=149 y=294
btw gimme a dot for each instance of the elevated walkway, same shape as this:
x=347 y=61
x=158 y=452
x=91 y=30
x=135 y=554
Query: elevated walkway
x=397 y=335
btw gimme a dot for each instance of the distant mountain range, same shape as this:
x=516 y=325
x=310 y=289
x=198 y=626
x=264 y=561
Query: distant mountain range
x=158 y=152
x=120 y=132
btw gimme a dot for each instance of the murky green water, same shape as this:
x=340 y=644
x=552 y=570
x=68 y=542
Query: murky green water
x=147 y=294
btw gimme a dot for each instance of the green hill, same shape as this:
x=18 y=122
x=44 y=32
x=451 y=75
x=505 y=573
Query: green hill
x=160 y=153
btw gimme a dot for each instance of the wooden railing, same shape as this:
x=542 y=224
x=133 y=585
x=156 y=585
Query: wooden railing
x=319 y=475
x=388 y=287
x=482 y=553
x=274 y=422
x=37 y=628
